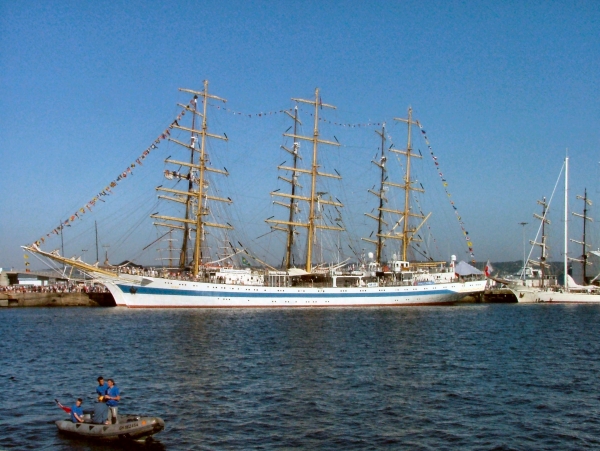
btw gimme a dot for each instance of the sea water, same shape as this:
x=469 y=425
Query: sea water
x=480 y=377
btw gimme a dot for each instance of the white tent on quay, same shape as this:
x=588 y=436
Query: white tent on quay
x=464 y=269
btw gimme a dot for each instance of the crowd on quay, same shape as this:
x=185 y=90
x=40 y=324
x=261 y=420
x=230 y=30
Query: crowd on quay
x=54 y=288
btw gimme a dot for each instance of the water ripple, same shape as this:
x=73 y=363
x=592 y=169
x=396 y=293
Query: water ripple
x=485 y=377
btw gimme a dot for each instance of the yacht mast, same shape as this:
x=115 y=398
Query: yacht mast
x=584 y=256
x=543 y=245
x=566 y=283
x=314 y=198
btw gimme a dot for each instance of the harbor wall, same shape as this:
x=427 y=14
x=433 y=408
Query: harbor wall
x=76 y=299
x=495 y=296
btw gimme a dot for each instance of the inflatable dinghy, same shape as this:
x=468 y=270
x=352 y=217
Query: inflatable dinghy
x=128 y=427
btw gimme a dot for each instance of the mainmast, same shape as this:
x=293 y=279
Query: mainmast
x=197 y=194
x=566 y=237
x=409 y=234
x=314 y=198
x=584 y=252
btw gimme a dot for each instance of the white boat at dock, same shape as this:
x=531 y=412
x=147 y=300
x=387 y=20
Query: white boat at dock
x=570 y=291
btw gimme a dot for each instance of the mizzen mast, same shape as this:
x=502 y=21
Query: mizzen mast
x=315 y=198
x=197 y=194
x=584 y=254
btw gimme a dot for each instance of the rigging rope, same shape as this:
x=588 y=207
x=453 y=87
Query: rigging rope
x=108 y=189
x=445 y=185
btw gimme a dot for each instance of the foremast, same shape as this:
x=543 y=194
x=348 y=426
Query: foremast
x=197 y=194
x=542 y=245
x=315 y=198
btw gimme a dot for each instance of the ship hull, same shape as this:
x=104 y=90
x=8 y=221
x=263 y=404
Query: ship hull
x=165 y=293
x=533 y=295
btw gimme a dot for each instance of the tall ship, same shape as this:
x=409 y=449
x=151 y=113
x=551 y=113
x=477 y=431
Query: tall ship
x=205 y=275
x=569 y=291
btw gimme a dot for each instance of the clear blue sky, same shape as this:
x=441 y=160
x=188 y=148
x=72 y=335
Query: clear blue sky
x=502 y=88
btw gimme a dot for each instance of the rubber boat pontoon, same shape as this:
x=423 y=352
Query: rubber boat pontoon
x=128 y=427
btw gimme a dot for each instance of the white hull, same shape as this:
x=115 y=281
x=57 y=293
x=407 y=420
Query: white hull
x=167 y=293
x=114 y=290
x=534 y=295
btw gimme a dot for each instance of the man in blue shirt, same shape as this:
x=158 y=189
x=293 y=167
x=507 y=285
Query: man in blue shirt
x=77 y=412
x=100 y=412
x=102 y=387
x=113 y=396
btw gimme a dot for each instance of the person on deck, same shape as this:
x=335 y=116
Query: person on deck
x=77 y=412
x=102 y=387
x=113 y=397
x=100 y=411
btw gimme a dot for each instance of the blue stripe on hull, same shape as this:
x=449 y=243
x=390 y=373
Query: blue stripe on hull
x=280 y=295
x=287 y=306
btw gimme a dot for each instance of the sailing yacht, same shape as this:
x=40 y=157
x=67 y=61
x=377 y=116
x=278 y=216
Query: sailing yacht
x=570 y=291
x=203 y=282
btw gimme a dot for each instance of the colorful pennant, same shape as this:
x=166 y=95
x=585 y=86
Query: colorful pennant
x=445 y=185
x=108 y=189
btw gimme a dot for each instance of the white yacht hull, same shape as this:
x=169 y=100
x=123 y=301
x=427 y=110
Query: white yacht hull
x=534 y=295
x=167 y=293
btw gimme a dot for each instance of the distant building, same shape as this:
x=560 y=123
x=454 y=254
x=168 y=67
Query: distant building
x=3 y=278
x=32 y=278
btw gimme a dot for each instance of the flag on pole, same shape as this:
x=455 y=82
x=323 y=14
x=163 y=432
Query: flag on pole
x=488 y=269
x=65 y=408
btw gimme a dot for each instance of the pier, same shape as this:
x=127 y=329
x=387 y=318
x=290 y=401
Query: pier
x=52 y=299
x=41 y=289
